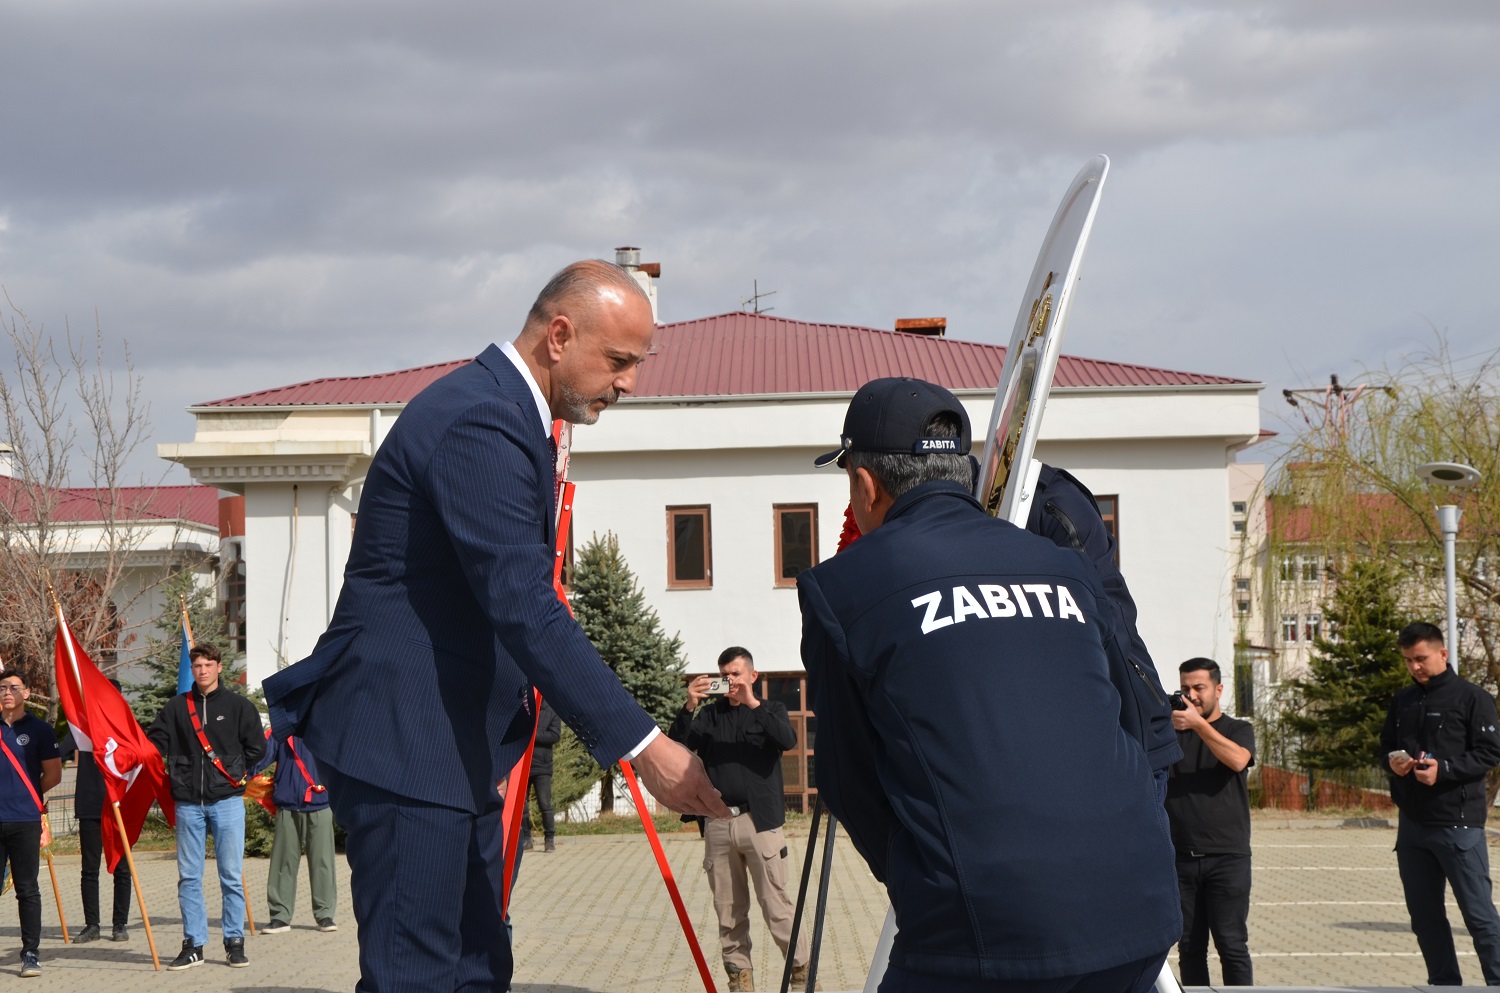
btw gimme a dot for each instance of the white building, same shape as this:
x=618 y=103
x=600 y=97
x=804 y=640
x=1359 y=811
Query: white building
x=706 y=477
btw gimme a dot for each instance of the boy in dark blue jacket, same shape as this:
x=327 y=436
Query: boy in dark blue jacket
x=303 y=821
x=970 y=733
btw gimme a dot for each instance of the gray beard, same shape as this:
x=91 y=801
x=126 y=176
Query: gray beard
x=577 y=408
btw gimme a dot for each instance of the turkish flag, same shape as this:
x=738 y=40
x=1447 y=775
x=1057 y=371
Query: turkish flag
x=102 y=723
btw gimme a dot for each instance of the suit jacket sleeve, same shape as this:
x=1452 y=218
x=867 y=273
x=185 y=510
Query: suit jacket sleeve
x=847 y=779
x=487 y=489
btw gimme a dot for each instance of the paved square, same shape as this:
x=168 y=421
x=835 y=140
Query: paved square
x=594 y=918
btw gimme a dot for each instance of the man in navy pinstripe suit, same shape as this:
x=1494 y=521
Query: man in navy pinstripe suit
x=417 y=698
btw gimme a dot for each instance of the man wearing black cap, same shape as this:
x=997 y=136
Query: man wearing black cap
x=1016 y=846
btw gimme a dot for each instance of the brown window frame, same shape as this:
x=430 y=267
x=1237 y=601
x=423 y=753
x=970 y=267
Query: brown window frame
x=780 y=581
x=707 y=582
x=1112 y=519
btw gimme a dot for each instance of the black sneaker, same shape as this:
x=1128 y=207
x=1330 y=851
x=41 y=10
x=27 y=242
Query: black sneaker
x=190 y=956
x=89 y=933
x=30 y=967
x=326 y=924
x=235 y=949
x=275 y=927
x=119 y=933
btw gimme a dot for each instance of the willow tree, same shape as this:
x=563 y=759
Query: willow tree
x=1348 y=489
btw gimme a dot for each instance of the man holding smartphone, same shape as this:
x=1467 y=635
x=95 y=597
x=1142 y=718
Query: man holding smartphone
x=740 y=738
x=1439 y=741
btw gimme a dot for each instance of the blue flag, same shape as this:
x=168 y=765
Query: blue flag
x=185 y=664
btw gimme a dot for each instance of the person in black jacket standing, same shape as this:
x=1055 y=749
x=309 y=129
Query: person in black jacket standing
x=741 y=738
x=548 y=733
x=1439 y=740
x=211 y=738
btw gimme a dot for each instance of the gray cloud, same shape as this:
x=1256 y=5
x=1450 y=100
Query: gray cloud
x=257 y=193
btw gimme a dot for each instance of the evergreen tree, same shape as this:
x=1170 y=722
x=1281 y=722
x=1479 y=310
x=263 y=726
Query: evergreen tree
x=612 y=610
x=1340 y=706
x=163 y=650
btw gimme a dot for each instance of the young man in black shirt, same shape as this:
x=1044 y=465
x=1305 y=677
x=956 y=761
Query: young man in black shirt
x=1208 y=804
x=740 y=738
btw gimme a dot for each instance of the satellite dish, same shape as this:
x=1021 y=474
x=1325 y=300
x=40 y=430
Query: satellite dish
x=1454 y=474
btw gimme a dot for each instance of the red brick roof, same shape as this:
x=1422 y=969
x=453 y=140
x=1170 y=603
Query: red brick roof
x=85 y=505
x=741 y=354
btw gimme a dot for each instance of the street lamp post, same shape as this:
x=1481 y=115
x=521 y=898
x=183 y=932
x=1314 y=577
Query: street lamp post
x=1454 y=476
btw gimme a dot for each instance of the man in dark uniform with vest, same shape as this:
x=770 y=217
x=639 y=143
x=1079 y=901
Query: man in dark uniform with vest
x=1016 y=847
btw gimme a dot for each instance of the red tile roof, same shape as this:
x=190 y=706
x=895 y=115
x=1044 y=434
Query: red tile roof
x=741 y=354
x=85 y=505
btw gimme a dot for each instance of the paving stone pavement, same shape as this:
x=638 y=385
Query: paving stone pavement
x=593 y=918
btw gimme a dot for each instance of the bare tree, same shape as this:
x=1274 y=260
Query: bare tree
x=68 y=522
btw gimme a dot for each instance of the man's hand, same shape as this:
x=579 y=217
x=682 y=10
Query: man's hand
x=697 y=692
x=676 y=777
x=743 y=694
x=1426 y=770
x=1401 y=766
x=1191 y=719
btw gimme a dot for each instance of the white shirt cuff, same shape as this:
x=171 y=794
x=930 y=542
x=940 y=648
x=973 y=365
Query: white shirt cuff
x=638 y=749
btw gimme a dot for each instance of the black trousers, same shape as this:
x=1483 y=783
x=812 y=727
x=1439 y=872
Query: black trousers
x=91 y=847
x=1215 y=891
x=542 y=783
x=1432 y=859
x=21 y=846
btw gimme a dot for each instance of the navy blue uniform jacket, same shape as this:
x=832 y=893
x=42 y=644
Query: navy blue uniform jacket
x=1065 y=511
x=969 y=739
x=421 y=684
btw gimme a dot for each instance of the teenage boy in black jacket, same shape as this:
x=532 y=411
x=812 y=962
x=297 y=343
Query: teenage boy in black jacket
x=1438 y=742
x=210 y=737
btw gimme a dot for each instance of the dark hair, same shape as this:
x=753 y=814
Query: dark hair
x=204 y=652
x=18 y=674
x=575 y=280
x=900 y=472
x=733 y=652
x=1204 y=665
x=1419 y=631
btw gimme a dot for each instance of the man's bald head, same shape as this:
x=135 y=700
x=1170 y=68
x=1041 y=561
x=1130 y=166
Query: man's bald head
x=586 y=335
x=576 y=290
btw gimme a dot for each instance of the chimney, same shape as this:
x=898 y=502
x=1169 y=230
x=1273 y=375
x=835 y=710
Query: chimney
x=933 y=327
x=7 y=461
x=628 y=257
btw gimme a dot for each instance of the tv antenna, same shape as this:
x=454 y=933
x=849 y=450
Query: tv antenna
x=752 y=303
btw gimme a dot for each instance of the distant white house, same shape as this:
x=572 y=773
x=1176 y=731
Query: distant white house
x=139 y=535
x=706 y=477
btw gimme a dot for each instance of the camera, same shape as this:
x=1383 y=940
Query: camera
x=718 y=686
x=1178 y=703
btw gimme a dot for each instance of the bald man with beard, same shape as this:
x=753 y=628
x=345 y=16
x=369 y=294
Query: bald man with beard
x=417 y=700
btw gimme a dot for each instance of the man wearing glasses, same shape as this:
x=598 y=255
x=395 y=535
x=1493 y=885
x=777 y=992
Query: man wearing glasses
x=30 y=767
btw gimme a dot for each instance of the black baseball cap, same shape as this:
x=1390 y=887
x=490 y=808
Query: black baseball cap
x=889 y=415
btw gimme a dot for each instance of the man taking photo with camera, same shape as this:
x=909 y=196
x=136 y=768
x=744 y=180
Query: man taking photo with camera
x=1208 y=804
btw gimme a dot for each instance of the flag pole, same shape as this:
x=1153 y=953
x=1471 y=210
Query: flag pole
x=140 y=897
x=52 y=870
x=135 y=877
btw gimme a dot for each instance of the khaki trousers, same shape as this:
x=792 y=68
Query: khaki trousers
x=733 y=849
x=296 y=830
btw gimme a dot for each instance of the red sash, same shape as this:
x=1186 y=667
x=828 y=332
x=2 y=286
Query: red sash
x=207 y=748
x=35 y=797
x=312 y=787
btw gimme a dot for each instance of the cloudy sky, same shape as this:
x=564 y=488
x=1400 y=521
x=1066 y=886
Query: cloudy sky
x=256 y=193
